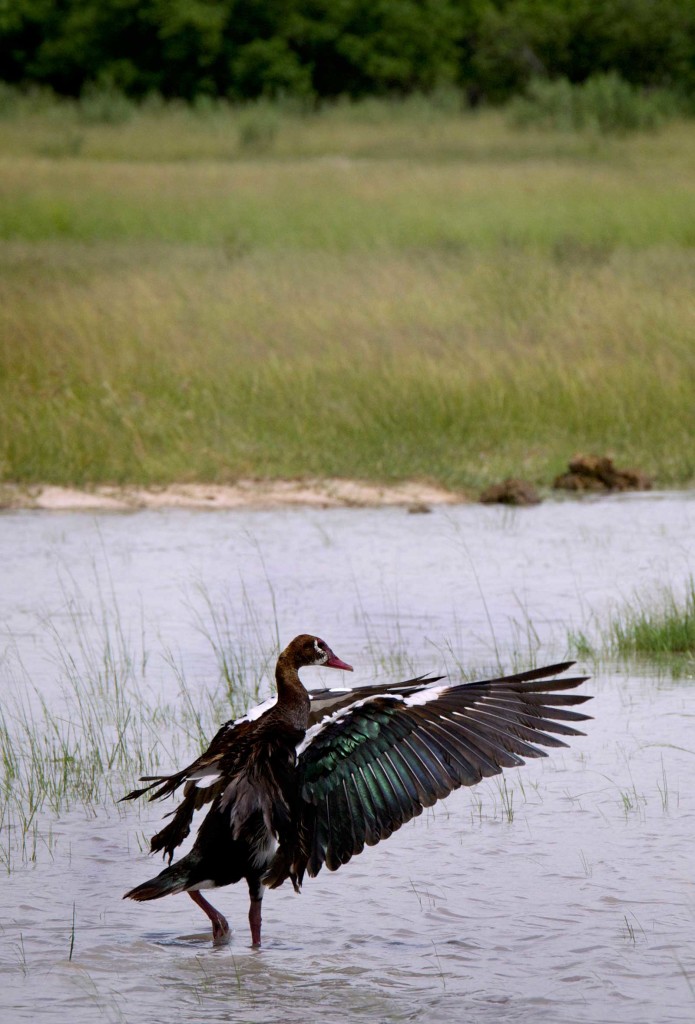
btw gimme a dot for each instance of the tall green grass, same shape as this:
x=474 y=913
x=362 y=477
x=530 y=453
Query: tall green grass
x=655 y=629
x=660 y=628
x=104 y=125
x=485 y=308
x=604 y=103
x=458 y=368
x=105 y=725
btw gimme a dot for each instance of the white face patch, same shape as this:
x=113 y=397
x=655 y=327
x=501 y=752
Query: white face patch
x=321 y=655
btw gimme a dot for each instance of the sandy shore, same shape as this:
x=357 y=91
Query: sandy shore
x=243 y=494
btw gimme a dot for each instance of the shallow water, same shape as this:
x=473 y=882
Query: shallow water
x=567 y=896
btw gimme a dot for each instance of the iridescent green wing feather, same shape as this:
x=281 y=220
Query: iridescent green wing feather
x=375 y=765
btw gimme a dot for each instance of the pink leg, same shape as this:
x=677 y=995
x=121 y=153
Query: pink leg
x=220 y=929
x=255 y=921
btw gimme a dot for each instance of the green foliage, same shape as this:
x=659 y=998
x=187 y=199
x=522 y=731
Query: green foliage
x=243 y=49
x=645 y=43
x=660 y=628
x=8 y=99
x=604 y=103
x=104 y=105
x=664 y=629
x=268 y=67
x=386 y=46
x=259 y=124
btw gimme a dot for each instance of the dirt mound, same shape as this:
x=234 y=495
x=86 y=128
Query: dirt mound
x=597 y=473
x=511 y=491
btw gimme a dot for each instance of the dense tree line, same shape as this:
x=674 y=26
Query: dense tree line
x=323 y=48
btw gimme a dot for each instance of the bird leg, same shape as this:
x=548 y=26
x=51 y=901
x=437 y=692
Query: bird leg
x=255 y=922
x=221 y=933
x=256 y=890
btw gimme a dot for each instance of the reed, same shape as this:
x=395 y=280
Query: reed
x=106 y=722
x=87 y=745
x=658 y=627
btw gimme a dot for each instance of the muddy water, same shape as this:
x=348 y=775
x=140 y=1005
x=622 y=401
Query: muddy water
x=567 y=896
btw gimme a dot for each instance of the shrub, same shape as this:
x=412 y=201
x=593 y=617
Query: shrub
x=104 y=105
x=604 y=103
x=259 y=124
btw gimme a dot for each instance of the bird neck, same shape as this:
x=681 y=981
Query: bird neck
x=292 y=696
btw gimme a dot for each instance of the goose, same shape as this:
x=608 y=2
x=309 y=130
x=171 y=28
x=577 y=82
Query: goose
x=310 y=778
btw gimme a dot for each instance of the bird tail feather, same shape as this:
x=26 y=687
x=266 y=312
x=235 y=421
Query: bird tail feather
x=169 y=881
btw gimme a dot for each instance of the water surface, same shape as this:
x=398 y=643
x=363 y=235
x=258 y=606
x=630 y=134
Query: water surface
x=563 y=894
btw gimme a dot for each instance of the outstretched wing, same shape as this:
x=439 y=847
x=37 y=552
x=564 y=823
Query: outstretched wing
x=327 y=702
x=202 y=781
x=204 y=778
x=374 y=765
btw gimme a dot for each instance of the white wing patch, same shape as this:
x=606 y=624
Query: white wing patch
x=425 y=696
x=204 y=781
x=260 y=709
x=253 y=713
x=311 y=734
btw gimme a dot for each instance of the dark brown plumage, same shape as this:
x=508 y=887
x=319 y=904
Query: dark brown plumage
x=311 y=778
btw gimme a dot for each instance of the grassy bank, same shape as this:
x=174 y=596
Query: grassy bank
x=384 y=297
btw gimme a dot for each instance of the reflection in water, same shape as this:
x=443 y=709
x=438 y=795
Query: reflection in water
x=563 y=894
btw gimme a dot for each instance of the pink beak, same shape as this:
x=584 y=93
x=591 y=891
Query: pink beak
x=334 y=662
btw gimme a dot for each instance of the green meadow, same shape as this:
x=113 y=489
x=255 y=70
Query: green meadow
x=380 y=291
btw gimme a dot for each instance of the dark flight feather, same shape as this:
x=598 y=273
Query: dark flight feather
x=373 y=765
